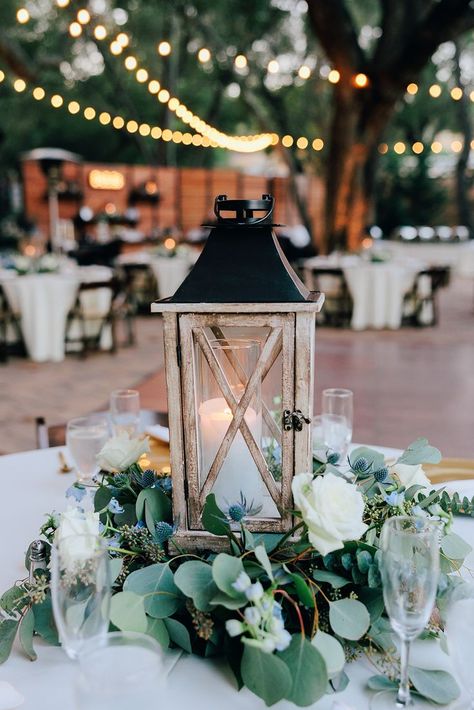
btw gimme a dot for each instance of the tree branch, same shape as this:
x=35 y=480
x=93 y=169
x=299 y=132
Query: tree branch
x=335 y=29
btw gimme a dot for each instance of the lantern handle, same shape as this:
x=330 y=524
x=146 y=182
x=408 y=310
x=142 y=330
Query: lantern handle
x=244 y=210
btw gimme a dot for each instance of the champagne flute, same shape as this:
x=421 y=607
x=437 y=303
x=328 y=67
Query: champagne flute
x=85 y=437
x=460 y=636
x=125 y=411
x=80 y=590
x=337 y=414
x=409 y=568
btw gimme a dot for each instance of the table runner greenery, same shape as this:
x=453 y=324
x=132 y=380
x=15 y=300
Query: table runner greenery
x=288 y=612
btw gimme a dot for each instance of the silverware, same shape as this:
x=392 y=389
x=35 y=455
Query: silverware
x=64 y=467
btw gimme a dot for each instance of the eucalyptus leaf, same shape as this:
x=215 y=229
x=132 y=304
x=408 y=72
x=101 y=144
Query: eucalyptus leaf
x=332 y=652
x=115 y=566
x=195 y=580
x=44 y=621
x=8 y=629
x=455 y=547
x=261 y=555
x=222 y=599
x=27 y=627
x=157 y=629
x=335 y=580
x=11 y=598
x=419 y=452
x=349 y=618
x=308 y=671
x=102 y=498
x=438 y=686
x=303 y=591
x=179 y=634
x=213 y=519
x=381 y=682
x=128 y=517
x=266 y=675
x=127 y=612
x=156 y=584
x=225 y=570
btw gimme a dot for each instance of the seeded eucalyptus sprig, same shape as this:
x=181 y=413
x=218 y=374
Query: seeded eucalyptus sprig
x=455 y=504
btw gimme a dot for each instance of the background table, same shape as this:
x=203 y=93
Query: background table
x=458 y=255
x=31 y=487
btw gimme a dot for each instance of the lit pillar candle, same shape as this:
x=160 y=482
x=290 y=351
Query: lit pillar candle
x=238 y=472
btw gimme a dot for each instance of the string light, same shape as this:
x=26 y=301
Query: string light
x=273 y=67
x=436 y=147
x=116 y=48
x=89 y=113
x=154 y=86
x=456 y=93
x=118 y=122
x=317 y=144
x=130 y=63
x=57 y=101
x=142 y=76
x=334 y=76
x=19 y=85
x=471 y=95
x=164 y=48
x=287 y=141
x=75 y=29
x=361 y=81
x=302 y=143
x=2 y=76
x=105 y=118
x=23 y=16
x=435 y=90
x=144 y=129
x=132 y=126
x=123 y=39
x=83 y=16
x=38 y=93
x=383 y=148
x=399 y=147
x=304 y=72
x=412 y=89
x=100 y=32
x=204 y=55
x=456 y=146
x=417 y=147
x=62 y=3
x=240 y=61
x=73 y=107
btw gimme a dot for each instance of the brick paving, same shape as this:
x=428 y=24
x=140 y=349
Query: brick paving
x=406 y=383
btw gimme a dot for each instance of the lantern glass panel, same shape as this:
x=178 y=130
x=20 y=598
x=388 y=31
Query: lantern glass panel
x=234 y=374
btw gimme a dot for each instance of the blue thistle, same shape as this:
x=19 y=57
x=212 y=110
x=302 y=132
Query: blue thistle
x=236 y=512
x=332 y=457
x=165 y=483
x=361 y=465
x=381 y=474
x=148 y=478
x=163 y=532
x=120 y=480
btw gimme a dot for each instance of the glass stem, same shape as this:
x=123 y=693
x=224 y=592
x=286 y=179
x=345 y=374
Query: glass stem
x=403 y=696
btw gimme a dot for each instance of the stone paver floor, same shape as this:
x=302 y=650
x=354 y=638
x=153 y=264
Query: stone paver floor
x=407 y=383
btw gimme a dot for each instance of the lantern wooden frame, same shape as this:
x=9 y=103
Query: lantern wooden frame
x=291 y=332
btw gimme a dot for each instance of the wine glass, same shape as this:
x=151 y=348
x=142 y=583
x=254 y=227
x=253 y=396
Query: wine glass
x=80 y=590
x=460 y=636
x=85 y=437
x=124 y=670
x=125 y=411
x=337 y=413
x=409 y=568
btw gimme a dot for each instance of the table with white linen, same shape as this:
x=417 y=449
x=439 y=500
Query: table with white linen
x=458 y=255
x=377 y=288
x=31 y=486
x=170 y=271
x=43 y=301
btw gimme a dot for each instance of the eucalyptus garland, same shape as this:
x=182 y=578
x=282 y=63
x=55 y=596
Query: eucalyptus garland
x=288 y=612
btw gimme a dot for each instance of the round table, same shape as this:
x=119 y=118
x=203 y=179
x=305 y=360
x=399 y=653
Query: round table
x=31 y=487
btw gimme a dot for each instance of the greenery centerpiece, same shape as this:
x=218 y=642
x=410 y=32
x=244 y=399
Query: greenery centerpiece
x=287 y=611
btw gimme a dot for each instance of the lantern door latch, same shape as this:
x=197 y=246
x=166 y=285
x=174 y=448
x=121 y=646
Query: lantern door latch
x=294 y=420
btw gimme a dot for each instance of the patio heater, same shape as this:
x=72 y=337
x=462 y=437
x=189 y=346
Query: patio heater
x=239 y=355
x=51 y=161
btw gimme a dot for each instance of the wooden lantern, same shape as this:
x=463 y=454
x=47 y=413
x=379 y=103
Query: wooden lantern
x=239 y=357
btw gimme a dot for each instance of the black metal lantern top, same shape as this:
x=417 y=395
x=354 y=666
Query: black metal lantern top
x=242 y=261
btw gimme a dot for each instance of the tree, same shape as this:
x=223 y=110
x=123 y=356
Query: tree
x=411 y=30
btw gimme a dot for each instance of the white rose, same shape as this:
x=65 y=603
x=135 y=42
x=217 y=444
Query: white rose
x=411 y=475
x=120 y=452
x=77 y=535
x=332 y=509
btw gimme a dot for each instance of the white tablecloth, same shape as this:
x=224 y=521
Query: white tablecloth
x=31 y=486
x=458 y=255
x=42 y=302
x=377 y=289
x=170 y=272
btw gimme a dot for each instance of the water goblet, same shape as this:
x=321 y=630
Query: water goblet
x=121 y=671
x=125 y=411
x=80 y=590
x=337 y=414
x=460 y=636
x=409 y=568
x=85 y=437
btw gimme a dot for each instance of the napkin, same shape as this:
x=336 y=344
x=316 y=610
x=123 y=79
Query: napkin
x=339 y=705
x=159 y=432
x=9 y=697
